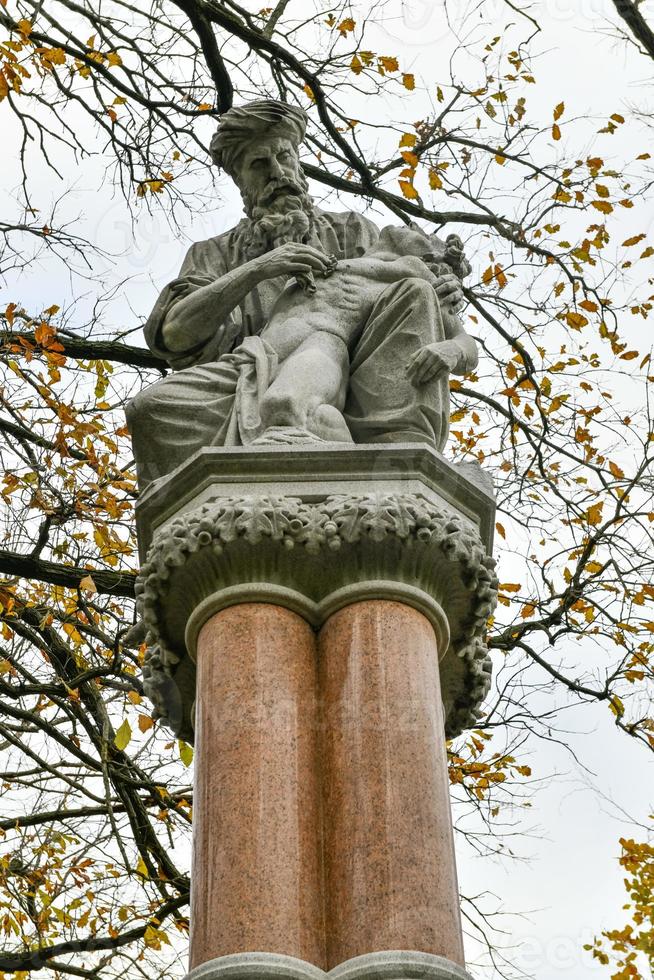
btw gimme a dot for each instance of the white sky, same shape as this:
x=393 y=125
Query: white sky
x=568 y=885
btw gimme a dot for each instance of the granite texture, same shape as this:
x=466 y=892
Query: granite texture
x=316 y=557
x=256 y=872
x=385 y=965
x=390 y=872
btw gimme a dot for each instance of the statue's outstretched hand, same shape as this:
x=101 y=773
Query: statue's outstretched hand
x=432 y=360
x=293 y=259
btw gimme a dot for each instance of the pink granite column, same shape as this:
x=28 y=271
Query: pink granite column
x=256 y=862
x=389 y=856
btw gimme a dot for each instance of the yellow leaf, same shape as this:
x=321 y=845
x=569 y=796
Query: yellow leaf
x=562 y=196
x=408 y=190
x=145 y=723
x=408 y=139
x=141 y=868
x=410 y=158
x=204 y=107
x=185 y=753
x=346 y=26
x=435 y=181
x=593 y=567
x=559 y=110
x=575 y=320
x=528 y=610
x=123 y=736
x=409 y=81
x=594 y=513
x=556 y=132
x=635 y=240
x=114 y=59
x=500 y=530
x=25 y=27
x=510 y=587
x=389 y=64
x=604 y=206
x=616 y=471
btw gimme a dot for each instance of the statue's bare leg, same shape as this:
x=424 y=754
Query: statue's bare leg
x=305 y=400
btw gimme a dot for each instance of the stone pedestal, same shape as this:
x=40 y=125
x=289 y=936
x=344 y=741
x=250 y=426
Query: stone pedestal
x=316 y=624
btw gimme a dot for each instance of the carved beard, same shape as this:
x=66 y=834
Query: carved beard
x=277 y=217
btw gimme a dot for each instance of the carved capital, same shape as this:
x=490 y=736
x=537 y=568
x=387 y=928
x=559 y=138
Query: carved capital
x=316 y=556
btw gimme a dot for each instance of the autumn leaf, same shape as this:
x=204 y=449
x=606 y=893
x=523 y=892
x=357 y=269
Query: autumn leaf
x=409 y=82
x=346 y=26
x=185 y=753
x=408 y=190
x=87 y=584
x=435 y=180
x=145 y=723
x=594 y=514
x=389 y=64
x=123 y=736
x=575 y=320
x=559 y=110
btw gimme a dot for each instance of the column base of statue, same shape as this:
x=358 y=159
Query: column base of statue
x=386 y=965
x=318 y=630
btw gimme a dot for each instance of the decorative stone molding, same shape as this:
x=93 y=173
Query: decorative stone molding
x=316 y=557
x=386 y=965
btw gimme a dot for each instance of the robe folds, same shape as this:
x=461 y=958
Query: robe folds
x=210 y=398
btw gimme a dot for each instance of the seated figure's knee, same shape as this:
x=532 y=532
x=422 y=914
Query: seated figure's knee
x=419 y=286
x=281 y=406
x=139 y=409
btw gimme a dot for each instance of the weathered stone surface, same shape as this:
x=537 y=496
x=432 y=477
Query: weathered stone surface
x=315 y=551
x=300 y=326
x=387 y=965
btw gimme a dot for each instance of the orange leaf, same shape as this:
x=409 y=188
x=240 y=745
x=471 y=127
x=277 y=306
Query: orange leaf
x=408 y=190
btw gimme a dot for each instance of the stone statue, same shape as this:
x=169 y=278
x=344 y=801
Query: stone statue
x=299 y=325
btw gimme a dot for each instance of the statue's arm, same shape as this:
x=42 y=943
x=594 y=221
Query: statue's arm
x=198 y=311
x=457 y=354
x=463 y=346
x=195 y=316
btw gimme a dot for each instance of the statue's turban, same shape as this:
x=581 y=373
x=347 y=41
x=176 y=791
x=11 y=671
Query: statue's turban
x=241 y=126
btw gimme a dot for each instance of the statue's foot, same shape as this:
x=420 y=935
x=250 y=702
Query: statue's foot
x=329 y=425
x=285 y=435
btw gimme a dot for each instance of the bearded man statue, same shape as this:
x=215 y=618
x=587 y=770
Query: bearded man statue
x=207 y=323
